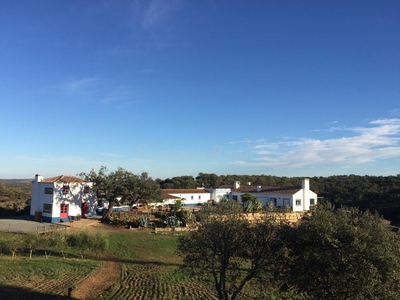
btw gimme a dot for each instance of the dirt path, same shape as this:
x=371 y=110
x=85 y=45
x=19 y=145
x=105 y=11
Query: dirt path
x=95 y=284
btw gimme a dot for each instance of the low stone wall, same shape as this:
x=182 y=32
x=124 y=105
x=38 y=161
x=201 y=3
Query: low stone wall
x=291 y=217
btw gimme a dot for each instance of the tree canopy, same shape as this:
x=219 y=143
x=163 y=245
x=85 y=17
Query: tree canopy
x=130 y=187
x=330 y=254
x=231 y=249
x=344 y=254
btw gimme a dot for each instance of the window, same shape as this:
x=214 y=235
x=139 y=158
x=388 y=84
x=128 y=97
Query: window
x=199 y=197
x=312 y=201
x=273 y=200
x=48 y=190
x=286 y=202
x=192 y=197
x=86 y=189
x=298 y=202
x=47 y=208
x=65 y=189
x=234 y=197
x=100 y=203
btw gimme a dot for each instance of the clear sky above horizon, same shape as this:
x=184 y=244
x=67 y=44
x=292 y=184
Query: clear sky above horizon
x=176 y=87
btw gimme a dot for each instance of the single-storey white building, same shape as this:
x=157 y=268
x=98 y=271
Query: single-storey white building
x=296 y=198
x=58 y=198
x=189 y=197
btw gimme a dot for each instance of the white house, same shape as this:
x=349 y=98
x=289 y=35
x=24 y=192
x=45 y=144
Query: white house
x=218 y=193
x=57 y=198
x=189 y=197
x=297 y=198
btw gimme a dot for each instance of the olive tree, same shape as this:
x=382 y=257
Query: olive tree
x=230 y=249
x=344 y=254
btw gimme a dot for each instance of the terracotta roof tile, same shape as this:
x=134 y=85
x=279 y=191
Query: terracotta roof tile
x=288 y=190
x=64 y=179
x=166 y=193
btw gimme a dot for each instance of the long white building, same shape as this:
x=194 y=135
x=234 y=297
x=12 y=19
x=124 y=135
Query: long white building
x=296 y=198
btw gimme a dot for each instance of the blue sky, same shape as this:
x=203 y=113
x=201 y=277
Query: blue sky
x=174 y=87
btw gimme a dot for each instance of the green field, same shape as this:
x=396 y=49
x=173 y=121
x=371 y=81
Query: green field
x=149 y=269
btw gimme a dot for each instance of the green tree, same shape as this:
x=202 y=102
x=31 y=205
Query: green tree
x=251 y=203
x=81 y=241
x=230 y=249
x=130 y=187
x=31 y=242
x=208 y=180
x=144 y=190
x=110 y=185
x=98 y=243
x=344 y=254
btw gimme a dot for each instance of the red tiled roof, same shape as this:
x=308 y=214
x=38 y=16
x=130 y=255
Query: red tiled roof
x=166 y=193
x=288 y=190
x=64 y=179
x=225 y=186
x=169 y=196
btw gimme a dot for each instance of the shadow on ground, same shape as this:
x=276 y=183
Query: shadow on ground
x=19 y=293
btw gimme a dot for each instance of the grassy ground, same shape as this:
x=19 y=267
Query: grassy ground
x=40 y=278
x=149 y=268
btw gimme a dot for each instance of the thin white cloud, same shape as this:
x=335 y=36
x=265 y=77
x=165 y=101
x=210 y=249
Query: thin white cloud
x=110 y=154
x=155 y=12
x=379 y=140
x=79 y=85
x=395 y=112
x=247 y=141
x=119 y=96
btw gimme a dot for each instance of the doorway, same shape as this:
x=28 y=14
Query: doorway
x=85 y=209
x=64 y=211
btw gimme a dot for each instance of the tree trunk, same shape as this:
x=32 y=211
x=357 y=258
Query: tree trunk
x=108 y=212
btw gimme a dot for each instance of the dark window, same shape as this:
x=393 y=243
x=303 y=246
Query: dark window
x=312 y=201
x=86 y=189
x=199 y=197
x=298 y=202
x=191 y=197
x=48 y=190
x=100 y=203
x=47 y=208
x=65 y=189
x=234 y=197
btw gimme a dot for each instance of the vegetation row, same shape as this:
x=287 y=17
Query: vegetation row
x=56 y=242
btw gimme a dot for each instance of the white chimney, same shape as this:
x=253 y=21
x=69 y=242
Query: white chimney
x=259 y=188
x=236 y=185
x=38 y=178
x=305 y=185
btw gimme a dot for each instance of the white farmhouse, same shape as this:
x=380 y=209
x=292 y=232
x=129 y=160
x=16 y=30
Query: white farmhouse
x=58 y=198
x=296 y=198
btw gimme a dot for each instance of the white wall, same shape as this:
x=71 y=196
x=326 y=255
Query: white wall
x=217 y=194
x=204 y=197
x=74 y=198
